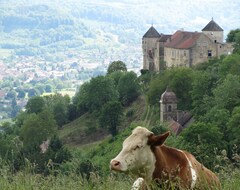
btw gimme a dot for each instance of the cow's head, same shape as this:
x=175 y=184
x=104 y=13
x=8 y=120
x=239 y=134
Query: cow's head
x=136 y=156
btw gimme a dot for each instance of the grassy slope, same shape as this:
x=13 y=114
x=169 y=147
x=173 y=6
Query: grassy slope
x=85 y=129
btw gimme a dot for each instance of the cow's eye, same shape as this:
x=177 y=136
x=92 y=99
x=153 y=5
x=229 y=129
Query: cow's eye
x=136 y=147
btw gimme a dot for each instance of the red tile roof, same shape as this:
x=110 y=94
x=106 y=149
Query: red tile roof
x=175 y=127
x=183 y=40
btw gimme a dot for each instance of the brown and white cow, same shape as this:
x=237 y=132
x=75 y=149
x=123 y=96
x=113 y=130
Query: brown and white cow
x=145 y=156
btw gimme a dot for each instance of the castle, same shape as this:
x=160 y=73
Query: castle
x=183 y=48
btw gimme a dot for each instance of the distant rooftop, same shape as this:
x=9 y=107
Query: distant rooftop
x=183 y=39
x=164 y=37
x=212 y=26
x=152 y=33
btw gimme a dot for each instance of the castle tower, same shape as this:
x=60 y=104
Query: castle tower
x=168 y=106
x=149 y=48
x=213 y=31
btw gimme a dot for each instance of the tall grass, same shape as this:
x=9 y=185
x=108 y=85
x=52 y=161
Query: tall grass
x=26 y=180
x=67 y=177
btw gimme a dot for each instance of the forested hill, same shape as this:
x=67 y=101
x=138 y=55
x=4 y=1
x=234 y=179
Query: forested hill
x=57 y=29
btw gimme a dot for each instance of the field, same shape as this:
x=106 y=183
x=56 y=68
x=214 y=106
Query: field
x=69 y=92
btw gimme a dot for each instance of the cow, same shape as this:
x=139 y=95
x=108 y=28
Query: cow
x=144 y=155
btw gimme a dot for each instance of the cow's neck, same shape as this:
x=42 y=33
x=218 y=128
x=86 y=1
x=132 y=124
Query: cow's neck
x=149 y=167
x=168 y=160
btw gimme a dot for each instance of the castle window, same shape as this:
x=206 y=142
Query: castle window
x=209 y=53
x=185 y=53
x=169 y=108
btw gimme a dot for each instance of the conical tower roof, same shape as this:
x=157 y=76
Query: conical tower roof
x=212 y=26
x=152 y=33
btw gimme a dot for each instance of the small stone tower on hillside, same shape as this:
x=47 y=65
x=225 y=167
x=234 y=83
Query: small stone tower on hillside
x=168 y=106
x=213 y=31
x=149 y=44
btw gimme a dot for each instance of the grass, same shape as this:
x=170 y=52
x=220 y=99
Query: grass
x=79 y=131
x=27 y=181
x=85 y=129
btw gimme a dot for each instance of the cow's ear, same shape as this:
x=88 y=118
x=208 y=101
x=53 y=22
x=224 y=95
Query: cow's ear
x=154 y=140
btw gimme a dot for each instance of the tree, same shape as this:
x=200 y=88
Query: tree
x=234 y=129
x=38 y=128
x=32 y=92
x=116 y=76
x=48 y=88
x=202 y=84
x=234 y=36
x=81 y=99
x=230 y=65
x=202 y=139
x=60 y=114
x=157 y=86
x=180 y=82
x=231 y=37
x=72 y=112
x=116 y=66
x=35 y=104
x=93 y=95
x=227 y=94
x=128 y=88
x=110 y=116
x=21 y=93
x=11 y=94
x=58 y=104
x=57 y=152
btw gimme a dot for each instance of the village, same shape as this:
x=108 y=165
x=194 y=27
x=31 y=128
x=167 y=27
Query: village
x=64 y=74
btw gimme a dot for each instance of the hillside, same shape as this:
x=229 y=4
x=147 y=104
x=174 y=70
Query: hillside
x=80 y=131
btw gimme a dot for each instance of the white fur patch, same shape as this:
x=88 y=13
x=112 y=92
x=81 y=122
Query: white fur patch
x=136 y=155
x=193 y=172
x=137 y=184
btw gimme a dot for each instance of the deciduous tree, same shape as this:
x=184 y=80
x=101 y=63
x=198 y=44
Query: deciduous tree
x=128 y=88
x=116 y=66
x=35 y=104
x=111 y=115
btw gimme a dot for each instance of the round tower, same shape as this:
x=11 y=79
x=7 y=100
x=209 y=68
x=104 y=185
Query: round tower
x=168 y=106
x=149 y=45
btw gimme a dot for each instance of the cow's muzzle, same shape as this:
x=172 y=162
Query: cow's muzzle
x=115 y=165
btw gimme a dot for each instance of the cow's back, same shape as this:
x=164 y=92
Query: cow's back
x=206 y=179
